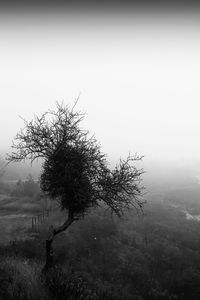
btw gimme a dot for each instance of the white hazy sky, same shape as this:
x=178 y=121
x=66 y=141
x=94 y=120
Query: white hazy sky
x=138 y=75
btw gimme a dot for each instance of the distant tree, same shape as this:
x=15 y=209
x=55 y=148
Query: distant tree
x=75 y=171
x=4 y=188
x=30 y=187
x=27 y=188
x=2 y=167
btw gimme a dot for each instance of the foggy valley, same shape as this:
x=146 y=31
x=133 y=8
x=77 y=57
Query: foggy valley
x=153 y=255
x=99 y=151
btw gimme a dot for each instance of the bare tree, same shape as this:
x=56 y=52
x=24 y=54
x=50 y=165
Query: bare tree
x=75 y=171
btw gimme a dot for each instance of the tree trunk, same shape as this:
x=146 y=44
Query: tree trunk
x=49 y=249
x=50 y=237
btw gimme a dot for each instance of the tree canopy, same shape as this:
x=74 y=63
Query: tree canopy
x=75 y=171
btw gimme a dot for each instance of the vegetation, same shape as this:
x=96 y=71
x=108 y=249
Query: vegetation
x=2 y=167
x=75 y=171
x=147 y=258
x=27 y=188
x=151 y=257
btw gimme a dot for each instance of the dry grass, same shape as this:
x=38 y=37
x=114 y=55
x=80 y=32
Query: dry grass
x=21 y=280
x=16 y=216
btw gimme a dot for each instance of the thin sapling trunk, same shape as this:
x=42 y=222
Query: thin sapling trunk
x=49 y=241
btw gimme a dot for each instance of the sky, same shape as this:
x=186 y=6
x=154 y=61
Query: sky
x=135 y=70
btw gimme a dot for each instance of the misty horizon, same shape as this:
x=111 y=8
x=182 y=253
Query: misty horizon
x=114 y=214
x=136 y=71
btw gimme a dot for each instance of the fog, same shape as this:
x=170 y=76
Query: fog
x=136 y=73
x=87 y=230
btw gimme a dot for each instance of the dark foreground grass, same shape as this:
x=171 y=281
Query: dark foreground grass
x=21 y=279
x=21 y=276
x=90 y=263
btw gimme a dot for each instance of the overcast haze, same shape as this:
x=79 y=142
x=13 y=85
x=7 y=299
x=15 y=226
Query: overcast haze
x=137 y=73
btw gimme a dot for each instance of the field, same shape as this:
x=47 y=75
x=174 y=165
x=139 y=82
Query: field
x=16 y=216
x=148 y=257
